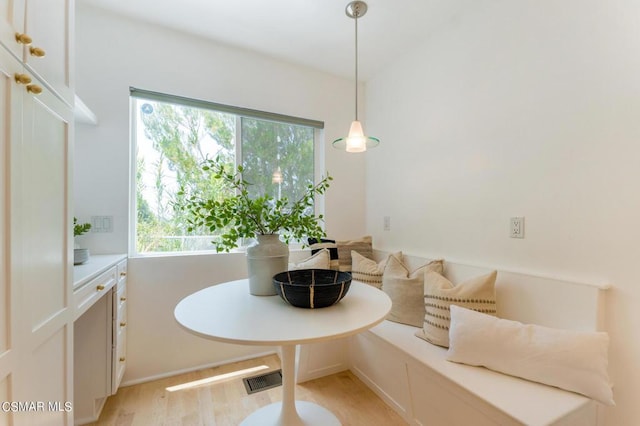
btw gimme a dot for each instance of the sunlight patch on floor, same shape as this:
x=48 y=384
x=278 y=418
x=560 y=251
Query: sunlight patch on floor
x=215 y=379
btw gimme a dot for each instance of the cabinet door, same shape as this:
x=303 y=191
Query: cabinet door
x=10 y=122
x=93 y=337
x=12 y=23
x=41 y=246
x=42 y=203
x=49 y=24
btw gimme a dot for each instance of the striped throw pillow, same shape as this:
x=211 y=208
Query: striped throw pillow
x=368 y=270
x=476 y=293
x=330 y=245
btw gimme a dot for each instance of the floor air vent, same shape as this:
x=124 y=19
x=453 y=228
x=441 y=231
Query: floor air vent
x=263 y=382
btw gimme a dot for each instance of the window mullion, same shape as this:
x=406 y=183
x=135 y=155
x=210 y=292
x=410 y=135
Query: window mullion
x=239 y=141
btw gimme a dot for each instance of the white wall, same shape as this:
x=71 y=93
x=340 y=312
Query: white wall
x=528 y=108
x=115 y=53
x=157 y=346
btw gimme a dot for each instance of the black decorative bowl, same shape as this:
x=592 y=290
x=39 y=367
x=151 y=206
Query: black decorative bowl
x=312 y=288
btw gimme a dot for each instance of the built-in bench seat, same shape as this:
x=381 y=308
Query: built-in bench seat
x=415 y=379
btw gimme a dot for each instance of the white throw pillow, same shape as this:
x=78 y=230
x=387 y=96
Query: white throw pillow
x=368 y=270
x=573 y=360
x=320 y=260
x=477 y=293
x=405 y=288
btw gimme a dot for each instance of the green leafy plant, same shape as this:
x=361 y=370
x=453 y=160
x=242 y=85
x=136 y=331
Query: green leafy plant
x=80 y=228
x=240 y=216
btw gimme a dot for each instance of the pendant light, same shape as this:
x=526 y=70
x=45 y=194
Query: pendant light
x=356 y=141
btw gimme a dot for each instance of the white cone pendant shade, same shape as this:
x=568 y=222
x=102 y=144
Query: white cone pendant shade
x=356 y=141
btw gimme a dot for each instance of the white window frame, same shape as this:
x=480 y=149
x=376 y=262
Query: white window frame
x=318 y=155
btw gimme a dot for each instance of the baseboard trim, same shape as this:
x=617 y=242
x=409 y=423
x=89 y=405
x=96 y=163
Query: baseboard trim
x=196 y=368
x=320 y=372
x=398 y=408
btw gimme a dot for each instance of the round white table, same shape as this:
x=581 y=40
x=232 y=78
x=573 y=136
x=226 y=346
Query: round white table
x=228 y=313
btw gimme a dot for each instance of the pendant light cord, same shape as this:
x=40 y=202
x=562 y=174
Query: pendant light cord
x=356 y=141
x=356 y=19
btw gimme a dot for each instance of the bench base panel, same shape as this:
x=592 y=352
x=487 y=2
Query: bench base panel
x=424 y=396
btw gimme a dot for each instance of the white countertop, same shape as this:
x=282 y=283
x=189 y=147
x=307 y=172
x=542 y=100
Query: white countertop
x=97 y=264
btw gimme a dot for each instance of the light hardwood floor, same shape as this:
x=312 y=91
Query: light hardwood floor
x=211 y=397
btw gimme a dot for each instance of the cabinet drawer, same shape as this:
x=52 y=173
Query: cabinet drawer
x=121 y=324
x=120 y=367
x=120 y=358
x=86 y=295
x=121 y=311
x=122 y=272
x=121 y=298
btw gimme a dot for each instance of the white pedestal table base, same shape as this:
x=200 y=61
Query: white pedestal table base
x=308 y=414
x=290 y=412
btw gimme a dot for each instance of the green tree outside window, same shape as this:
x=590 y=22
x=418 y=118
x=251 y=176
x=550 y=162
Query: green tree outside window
x=173 y=141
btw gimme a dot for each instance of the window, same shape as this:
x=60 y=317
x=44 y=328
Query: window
x=171 y=136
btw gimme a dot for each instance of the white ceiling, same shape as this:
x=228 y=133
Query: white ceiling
x=313 y=33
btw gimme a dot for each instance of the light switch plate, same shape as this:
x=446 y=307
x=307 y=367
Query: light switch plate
x=102 y=224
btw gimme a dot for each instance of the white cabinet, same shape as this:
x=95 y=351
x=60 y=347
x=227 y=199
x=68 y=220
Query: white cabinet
x=8 y=321
x=36 y=307
x=100 y=295
x=39 y=33
x=92 y=352
x=12 y=25
x=119 y=358
x=35 y=315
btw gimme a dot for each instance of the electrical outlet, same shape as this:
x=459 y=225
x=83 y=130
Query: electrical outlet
x=387 y=223
x=516 y=229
